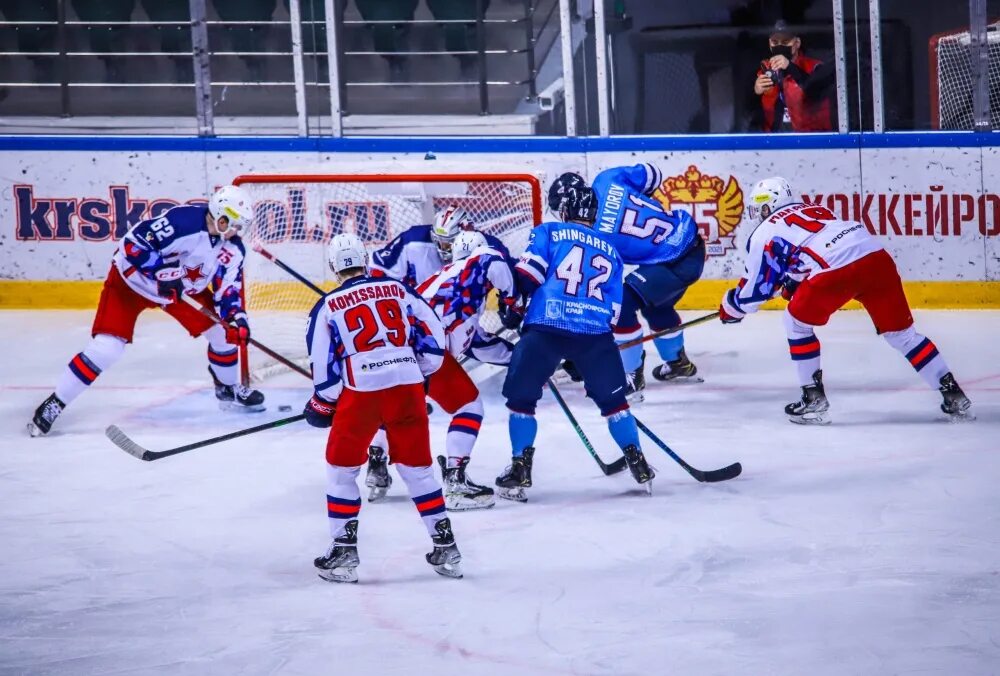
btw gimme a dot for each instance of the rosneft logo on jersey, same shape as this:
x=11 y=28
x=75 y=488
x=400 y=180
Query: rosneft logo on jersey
x=715 y=205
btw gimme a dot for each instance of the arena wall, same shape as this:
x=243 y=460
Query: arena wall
x=934 y=199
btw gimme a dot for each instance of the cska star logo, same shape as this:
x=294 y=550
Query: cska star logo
x=715 y=205
x=194 y=275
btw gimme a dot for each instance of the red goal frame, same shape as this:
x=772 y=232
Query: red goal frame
x=530 y=179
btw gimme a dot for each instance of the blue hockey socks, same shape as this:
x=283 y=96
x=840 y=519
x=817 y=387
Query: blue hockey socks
x=623 y=429
x=669 y=346
x=523 y=429
x=632 y=358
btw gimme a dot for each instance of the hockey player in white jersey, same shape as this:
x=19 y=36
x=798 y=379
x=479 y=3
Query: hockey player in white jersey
x=372 y=343
x=189 y=250
x=458 y=295
x=820 y=263
x=412 y=257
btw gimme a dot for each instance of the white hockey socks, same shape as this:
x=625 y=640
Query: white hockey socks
x=803 y=347
x=343 y=498
x=426 y=494
x=921 y=353
x=223 y=358
x=463 y=431
x=101 y=353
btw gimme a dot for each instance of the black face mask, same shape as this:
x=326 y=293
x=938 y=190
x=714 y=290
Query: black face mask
x=782 y=50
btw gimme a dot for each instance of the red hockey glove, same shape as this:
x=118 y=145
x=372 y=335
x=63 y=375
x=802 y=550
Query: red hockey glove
x=238 y=332
x=169 y=283
x=789 y=288
x=319 y=412
x=729 y=311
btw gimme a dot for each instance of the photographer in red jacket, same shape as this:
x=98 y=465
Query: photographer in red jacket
x=794 y=90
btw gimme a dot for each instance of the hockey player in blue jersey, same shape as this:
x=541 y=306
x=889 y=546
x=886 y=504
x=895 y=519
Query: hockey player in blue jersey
x=669 y=253
x=188 y=250
x=572 y=280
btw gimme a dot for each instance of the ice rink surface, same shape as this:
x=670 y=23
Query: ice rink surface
x=868 y=547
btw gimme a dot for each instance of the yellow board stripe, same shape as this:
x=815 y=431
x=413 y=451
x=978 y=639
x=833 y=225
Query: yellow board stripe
x=704 y=295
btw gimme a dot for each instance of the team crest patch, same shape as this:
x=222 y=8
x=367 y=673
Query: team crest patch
x=715 y=205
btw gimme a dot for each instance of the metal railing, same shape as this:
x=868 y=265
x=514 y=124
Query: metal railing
x=69 y=55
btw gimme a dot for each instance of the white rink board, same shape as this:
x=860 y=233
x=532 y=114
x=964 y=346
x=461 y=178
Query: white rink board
x=912 y=197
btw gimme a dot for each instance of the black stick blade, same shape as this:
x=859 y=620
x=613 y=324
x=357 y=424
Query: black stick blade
x=722 y=474
x=617 y=466
x=121 y=440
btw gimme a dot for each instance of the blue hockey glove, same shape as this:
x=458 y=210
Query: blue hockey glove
x=319 y=412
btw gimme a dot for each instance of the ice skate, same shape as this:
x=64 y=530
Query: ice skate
x=460 y=492
x=377 y=480
x=641 y=471
x=516 y=477
x=955 y=403
x=813 y=408
x=680 y=370
x=46 y=414
x=445 y=559
x=637 y=383
x=340 y=562
x=237 y=397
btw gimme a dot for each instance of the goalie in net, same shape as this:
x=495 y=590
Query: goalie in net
x=297 y=214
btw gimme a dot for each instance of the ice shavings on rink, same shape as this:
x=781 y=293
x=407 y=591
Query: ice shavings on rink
x=869 y=546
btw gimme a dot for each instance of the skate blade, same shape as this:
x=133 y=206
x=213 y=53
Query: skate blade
x=959 y=418
x=240 y=408
x=452 y=570
x=683 y=380
x=822 y=418
x=34 y=431
x=635 y=398
x=377 y=494
x=338 y=574
x=463 y=503
x=516 y=494
x=649 y=487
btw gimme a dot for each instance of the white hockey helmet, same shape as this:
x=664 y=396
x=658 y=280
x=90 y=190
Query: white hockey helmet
x=768 y=196
x=465 y=243
x=233 y=203
x=346 y=251
x=447 y=224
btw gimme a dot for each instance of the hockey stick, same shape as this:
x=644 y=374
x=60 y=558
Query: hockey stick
x=711 y=476
x=287 y=268
x=664 y=332
x=122 y=441
x=616 y=466
x=263 y=348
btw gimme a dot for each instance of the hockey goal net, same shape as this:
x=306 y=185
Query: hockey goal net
x=951 y=78
x=296 y=215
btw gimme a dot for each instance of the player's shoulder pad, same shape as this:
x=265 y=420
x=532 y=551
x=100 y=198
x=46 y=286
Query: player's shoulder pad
x=494 y=242
x=237 y=242
x=186 y=219
x=388 y=255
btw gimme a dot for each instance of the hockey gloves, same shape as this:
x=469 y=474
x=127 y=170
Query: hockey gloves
x=238 y=333
x=511 y=312
x=729 y=310
x=169 y=282
x=319 y=412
